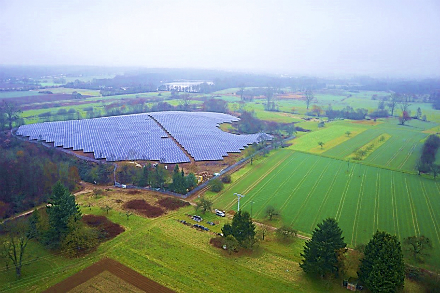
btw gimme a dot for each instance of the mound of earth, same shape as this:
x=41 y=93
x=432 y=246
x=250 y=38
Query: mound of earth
x=171 y=203
x=144 y=208
x=107 y=229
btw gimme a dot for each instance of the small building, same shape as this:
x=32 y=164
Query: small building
x=352 y=284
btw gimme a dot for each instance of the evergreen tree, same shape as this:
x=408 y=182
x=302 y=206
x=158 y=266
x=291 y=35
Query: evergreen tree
x=179 y=184
x=60 y=209
x=322 y=252
x=190 y=181
x=243 y=229
x=382 y=268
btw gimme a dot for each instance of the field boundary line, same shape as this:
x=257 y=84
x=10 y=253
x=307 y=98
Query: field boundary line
x=344 y=194
x=428 y=203
x=312 y=190
x=281 y=185
x=298 y=186
x=326 y=197
x=411 y=203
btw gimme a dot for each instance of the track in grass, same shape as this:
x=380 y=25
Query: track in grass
x=309 y=188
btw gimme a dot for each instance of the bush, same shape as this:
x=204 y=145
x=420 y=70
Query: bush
x=216 y=185
x=226 y=178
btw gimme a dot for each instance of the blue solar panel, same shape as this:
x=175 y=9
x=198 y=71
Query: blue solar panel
x=141 y=137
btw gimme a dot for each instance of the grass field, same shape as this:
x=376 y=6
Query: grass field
x=307 y=189
x=175 y=256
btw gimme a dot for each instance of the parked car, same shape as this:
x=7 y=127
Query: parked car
x=197 y=218
x=220 y=213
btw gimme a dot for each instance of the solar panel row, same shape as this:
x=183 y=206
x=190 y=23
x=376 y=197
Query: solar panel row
x=139 y=137
x=198 y=133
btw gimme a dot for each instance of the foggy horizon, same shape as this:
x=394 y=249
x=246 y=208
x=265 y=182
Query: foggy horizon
x=396 y=39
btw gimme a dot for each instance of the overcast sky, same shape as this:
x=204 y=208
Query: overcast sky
x=375 y=37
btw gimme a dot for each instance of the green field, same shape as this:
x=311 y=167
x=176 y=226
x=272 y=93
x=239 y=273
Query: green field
x=307 y=188
x=176 y=256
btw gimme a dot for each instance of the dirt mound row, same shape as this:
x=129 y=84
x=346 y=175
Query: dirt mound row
x=107 y=229
x=144 y=208
x=171 y=203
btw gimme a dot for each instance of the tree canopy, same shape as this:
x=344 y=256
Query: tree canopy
x=382 y=268
x=242 y=228
x=322 y=252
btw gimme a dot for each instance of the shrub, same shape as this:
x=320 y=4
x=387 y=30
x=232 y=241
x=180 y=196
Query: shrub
x=226 y=178
x=216 y=185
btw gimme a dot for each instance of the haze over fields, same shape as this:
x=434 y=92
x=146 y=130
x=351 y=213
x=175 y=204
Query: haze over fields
x=379 y=38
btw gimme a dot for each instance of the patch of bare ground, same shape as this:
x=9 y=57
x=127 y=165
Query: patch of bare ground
x=142 y=207
x=172 y=203
x=106 y=228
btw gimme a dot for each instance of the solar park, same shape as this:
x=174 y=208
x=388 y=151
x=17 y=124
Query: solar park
x=146 y=136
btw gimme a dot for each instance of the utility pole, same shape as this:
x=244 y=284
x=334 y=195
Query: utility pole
x=238 y=198
x=252 y=203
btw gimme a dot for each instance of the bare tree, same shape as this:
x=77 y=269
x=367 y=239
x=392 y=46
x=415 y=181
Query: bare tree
x=404 y=103
x=14 y=246
x=309 y=98
x=393 y=102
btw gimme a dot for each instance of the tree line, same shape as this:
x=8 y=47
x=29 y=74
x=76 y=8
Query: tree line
x=427 y=160
x=28 y=171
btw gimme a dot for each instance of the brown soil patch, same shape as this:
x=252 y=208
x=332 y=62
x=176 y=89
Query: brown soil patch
x=133 y=192
x=115 y=268
x=172 y=203
x=107 y=229
x=144 y=208
x=216 y=242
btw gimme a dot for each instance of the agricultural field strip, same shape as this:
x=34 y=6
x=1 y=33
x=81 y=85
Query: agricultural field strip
x=249 y=199
x=411 y=151
x=386 y=136
x=256 y=182
x=326 y=196
x=344 y=194
x=236 y=181
x=358 y=207
x=412 y=208
x=292 y=173
x=397 y=153
x=430 y=209
x=394 y=206
x=298 y=186
x=312 y=190
x=376 y=203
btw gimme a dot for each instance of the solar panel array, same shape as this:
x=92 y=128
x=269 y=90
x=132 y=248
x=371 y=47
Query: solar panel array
x=118 y=138
x=198 y=133
x=139 y=137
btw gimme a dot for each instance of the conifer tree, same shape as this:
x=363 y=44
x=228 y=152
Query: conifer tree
x=61 y=208
x=322 y=252
x=382 y=268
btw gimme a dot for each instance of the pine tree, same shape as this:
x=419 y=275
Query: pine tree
x=322 y=252
x=243 y=229
x=382 y=268
x=61 y=208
